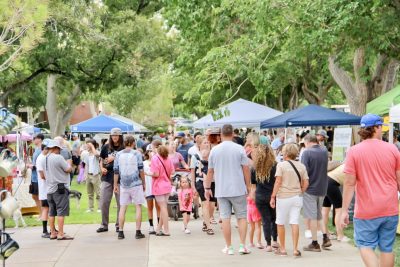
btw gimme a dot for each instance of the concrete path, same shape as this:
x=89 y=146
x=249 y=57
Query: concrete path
x=197 y=249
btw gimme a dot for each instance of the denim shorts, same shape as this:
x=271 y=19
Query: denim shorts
x=379 y=232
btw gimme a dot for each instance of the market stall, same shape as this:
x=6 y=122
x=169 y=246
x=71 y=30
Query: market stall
x=102 y=124
x=239 y=113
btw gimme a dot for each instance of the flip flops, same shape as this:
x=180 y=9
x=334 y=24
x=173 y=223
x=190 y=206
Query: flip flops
x=65 y=237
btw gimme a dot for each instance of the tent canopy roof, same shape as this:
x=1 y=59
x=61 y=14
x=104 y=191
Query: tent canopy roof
x=381 y=105
x=311 y=115
x=137 y=127
x=101 y=124
x=241 y=113
x=394 y=114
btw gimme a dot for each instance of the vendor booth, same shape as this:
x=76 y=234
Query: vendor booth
x=102 y=124
x=381 y=105
x=311 y=115
x=239 y=113
x=138 y=128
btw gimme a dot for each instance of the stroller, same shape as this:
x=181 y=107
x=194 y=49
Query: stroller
x=173 y=202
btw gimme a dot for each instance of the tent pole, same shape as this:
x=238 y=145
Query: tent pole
x=391 y=132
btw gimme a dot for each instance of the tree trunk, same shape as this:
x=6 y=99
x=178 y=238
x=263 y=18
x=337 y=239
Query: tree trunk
x=358 y=93
x=92 y=108
x=59 y=117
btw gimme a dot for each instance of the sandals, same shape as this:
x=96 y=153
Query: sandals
x=65 y=237
x=297 y=254
x=162 y=234
x=204 y=229
x=210 y=231
x=278 y=252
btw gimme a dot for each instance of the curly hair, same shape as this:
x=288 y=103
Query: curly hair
x=263 y=162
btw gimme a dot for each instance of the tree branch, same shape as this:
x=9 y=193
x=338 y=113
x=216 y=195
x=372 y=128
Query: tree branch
x=342 y=79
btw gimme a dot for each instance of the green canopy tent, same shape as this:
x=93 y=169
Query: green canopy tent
x=382 y=104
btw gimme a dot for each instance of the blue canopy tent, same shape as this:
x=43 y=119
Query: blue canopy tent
x=101 y=124
x=311 y=115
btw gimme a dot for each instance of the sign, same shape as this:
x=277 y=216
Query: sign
x=341 y=143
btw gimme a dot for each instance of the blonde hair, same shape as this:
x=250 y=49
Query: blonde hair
x=183 y=178
x=290 y=150
x=263 y=162
x=252 y=139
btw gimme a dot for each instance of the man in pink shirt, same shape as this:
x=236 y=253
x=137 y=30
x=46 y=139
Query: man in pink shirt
x=373 y=170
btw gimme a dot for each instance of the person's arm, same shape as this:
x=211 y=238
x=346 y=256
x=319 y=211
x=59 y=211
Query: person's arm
x=348 y=193
x=304 y=185
x=277 y=185
x=116 y=175
x=41 y=174
x=154 y=168
x=253 y=191
x=182 y=161
x=247 y=176
x=141 y=170
x=398 y=180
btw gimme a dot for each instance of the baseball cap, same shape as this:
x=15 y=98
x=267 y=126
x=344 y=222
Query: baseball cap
x=40 y=136
x=52 y=144
x=115 y=131
x=323 y=133
x=180 y=134
x=370 y=120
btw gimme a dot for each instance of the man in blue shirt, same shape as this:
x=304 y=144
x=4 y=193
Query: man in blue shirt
x=34 y=188
x=184 y=146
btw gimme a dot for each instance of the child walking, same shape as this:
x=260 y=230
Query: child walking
x=185 y=197
x=254 y=219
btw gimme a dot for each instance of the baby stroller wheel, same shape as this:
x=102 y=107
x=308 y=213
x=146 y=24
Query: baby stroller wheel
x=175 y=214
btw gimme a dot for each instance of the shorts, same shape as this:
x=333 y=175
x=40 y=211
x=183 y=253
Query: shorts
x=58 y=204
x=45 y=203
x=34 y=188
x=333 y=196
x=187 y=212
x=288 y=208
x=162 y=198
x=200 y=190
x=150 y=197
x=239 y=205
x=131 y=195
x=312 y=206
x=379 y=232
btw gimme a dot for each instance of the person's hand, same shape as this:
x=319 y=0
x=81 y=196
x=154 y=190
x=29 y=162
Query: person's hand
x=116 y=189
x=272 y=202
x=252 y=195
x=144 y=187
x=110 y=159
x=208 y=194
x=104 y=171
x=344 y=219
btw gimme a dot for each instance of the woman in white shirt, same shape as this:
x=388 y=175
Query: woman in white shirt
x=92 y=169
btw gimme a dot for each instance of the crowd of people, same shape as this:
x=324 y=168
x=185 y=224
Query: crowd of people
x=263 y=179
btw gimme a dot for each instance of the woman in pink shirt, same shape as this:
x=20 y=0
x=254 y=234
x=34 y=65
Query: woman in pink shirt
x=161 y=170
x=176 y=157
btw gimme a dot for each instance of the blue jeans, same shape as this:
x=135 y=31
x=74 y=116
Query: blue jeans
x=379 y=232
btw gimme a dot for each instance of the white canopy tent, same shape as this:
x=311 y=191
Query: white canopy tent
x=138 y=128
x=240 y=113
x=394 y=117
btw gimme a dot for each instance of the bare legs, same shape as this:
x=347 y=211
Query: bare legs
x=163 y=224
x=281 y=236
x=186 y=219
x=226 y=229
x=255 y=228
x=295 y=237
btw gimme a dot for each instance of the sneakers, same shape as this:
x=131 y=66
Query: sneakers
x=187 y=231
x=312 y=247
x=228 y=250
x=326 y=243
x=121 y=235
x=243 y=250
x=344 y=239
x=151 y=230
x=116 y=229
x=46 y=235
x=139 y=235
x=307 y=234
x=102 y=229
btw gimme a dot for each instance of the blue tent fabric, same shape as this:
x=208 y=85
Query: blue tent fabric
x=101 y=124
x=311 y=115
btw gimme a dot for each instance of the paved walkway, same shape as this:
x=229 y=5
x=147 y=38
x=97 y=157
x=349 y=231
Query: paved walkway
x=197 y=249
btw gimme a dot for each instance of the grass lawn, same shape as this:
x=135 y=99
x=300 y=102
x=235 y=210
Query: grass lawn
x=349 y=232
x=80 y=216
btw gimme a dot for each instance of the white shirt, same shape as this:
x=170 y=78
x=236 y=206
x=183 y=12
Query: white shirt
x=40 y=165
x=193 y=150
x=92 y=164
x=148 y=179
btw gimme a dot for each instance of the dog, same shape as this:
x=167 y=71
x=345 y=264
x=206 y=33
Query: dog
x=77 y=195
x=17 y=216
